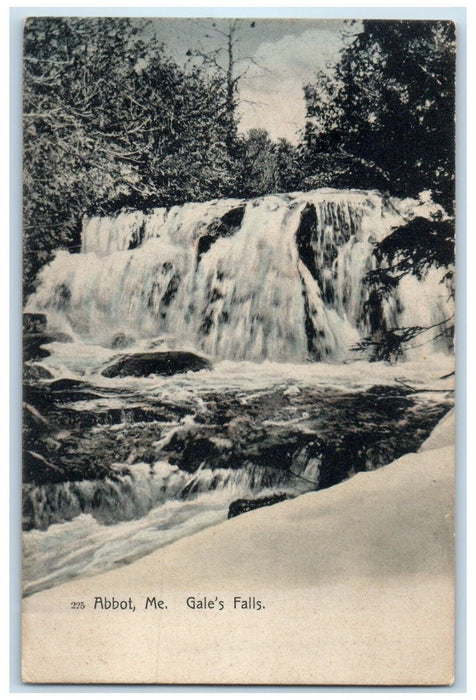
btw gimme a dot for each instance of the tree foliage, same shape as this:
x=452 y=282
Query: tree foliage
x=222 y=58
x=384 y=116
x=110 y=121
x=266 y=166
x=258 y=164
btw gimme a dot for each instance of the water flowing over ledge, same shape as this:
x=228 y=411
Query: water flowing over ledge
x=147 y=461
x=269 y=289
x=277 y=278
x=336 y=570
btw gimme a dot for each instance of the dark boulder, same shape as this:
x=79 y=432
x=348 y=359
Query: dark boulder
x=34 y=373
x=243 y=505
x=32 y=418
x=164 y=363
x=68 y=390
x=33 y=344
x=34 y=323
x=39 y=469
x=48 y=396
x=32 y=347
x=189 y=449
x=67 y=384
x=223 y=227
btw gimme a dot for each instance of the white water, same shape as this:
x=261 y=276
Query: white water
x=261 y=296
x=87 y=544
x=155 y=505
x=268 y=287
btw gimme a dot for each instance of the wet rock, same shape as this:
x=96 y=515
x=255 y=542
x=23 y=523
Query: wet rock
x=163 y=363
x=223 y=227
x=243 y=505
x=67 y=385
x=33 y=344
x=33 y=419
x=50 y=397
x=32 y=347
x=130 y=415
x=121 y=340
x=191 y=452
x=37 y=395
x=34 y=323
x=309 y=440
x=38 y=468
x=34 y=373
x=66 y=390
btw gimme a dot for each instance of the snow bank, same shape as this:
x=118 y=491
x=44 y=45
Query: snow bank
x=443 y=434
x=355 y=585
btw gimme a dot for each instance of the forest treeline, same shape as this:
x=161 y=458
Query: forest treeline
x=111 y=121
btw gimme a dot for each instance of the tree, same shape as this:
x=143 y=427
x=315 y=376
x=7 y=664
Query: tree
x=228 y=65
x=413 y=248
x=266 y=166
x=384 y=118
x=288 y=171
x=111 y=121
x=386 y=111
x=257 y=164
x=69 y=74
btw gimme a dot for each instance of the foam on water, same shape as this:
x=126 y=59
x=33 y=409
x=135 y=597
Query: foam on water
x=113 y=521
x=86 y=545
x=268 y=290
x=277 y=278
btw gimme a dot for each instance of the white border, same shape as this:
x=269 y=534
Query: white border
x=13 y=306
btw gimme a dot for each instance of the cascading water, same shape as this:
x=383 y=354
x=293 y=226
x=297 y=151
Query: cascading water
x=278 y=278
x=268 y=289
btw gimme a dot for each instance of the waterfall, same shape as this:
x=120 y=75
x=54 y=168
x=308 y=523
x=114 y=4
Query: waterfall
x=146 y=486
x=279 y=277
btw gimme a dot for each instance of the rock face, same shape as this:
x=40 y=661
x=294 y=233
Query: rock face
x=163 y=363
x=243 y=505
x=33 y=343
x=34 y=323
x=34 y=373
x=35 y=336
x=121 y=340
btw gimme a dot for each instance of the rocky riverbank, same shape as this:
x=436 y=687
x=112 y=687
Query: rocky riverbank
x=356 y=583
x=287 y=438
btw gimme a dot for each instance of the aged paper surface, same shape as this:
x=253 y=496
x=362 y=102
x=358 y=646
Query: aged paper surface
x=238 y=359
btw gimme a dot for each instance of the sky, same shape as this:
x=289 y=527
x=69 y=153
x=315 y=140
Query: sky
x=288 y=52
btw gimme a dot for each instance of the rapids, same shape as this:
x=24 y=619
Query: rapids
x=271 y=291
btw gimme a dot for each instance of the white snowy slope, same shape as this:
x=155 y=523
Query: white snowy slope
x=356 y=583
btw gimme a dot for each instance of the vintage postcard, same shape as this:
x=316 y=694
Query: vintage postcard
x=238 y=433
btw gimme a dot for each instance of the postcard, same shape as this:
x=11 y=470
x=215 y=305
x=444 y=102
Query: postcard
x=238 y=360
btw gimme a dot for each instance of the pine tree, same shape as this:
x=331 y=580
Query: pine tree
x=110 y=121
x=385 y=113
x=384 y=118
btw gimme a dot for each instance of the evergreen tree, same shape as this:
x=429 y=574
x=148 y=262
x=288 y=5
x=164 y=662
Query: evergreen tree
x=266 y=166
x=386 y=112
x=384 y=118
x=111 y=121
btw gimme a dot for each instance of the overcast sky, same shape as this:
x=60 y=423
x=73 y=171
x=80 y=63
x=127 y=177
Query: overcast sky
x=290 y=52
